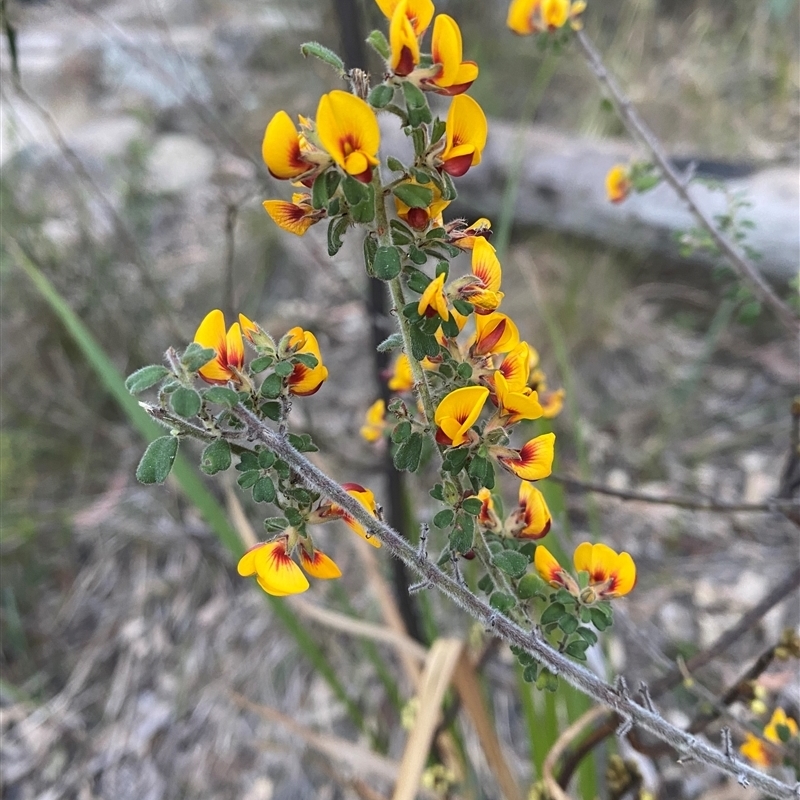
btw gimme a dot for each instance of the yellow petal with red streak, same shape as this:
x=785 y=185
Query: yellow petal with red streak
x=466 y=128
x=289 y=216
x=486 y=265
x=403 y=41
x=535 y=458
x=281 y=148
x=546 y=565
x=458 y=411
x=433 y=298
x=277 y=573
x=346 y=125
x=319 y=565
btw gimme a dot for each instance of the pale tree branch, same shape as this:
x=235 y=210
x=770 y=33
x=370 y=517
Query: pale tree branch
x=743 y=267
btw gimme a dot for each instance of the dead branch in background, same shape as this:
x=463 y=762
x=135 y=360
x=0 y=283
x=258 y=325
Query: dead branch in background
x=745 y=269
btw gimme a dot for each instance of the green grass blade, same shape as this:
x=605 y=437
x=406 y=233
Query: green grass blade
x=185 y=475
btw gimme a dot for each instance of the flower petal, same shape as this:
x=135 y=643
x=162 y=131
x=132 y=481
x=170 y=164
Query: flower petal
x=486 y=264
x=319 y=565
x=548 y=568
x=535 y=458
x=520 y=16
x=289 y=216
x=466 y=129
x=536 y=513
x=403 y=41
x=281 y=148
x=346 y=125
x=277 y=573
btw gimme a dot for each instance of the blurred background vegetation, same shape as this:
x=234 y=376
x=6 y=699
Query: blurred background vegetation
x=132 y=185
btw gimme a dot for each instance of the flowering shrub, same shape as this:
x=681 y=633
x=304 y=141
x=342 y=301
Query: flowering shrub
x=463 y=380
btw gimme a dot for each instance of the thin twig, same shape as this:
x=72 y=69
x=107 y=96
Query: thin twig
x=573 y=673
x=691 y=503
x=744 y=268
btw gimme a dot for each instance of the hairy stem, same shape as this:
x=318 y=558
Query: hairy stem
x=575 y=674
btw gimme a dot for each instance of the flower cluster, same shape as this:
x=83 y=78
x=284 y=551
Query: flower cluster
x=766 y=751
x=534 y=16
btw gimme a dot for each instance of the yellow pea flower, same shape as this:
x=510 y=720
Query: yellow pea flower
x=228 y=347
x=610 y=574
x=531 y=16
x=305 y=380
x=487 y=516
x=466 y=133
x=288 y=153
x=296 y=217
x=551 y=572
x=515 y=405
x=618 y=183
x=419 y=12
x=273 y=567
x=433 y=300
x=402 y=379
x=531 y=519
x=348 y=130
x=455 y=75
x=375 y=421
x=457 y=413
x=403 y=42
x=465 y=237
x=420 y=218
x=494 y=333
x=485 y=295
x=533 y=461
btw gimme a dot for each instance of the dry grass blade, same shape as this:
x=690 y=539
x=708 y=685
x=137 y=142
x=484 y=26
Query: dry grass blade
x=362 y=761
x=466 y=683
x=439 y=668
x=389 y=610
x=360 y=629
x=569 y=739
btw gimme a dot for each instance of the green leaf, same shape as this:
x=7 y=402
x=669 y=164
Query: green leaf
x=381 y=96
x=303 y=443
x=186 y=402
x=588 y=634
x=216 y=457
x=387 y=263
x=145 y=377
x=196 y=356
x=306 y=359
x=282 y=468
x=222 y=396
x=530 y=672
x=336 y=229
x=438 y=130
x=547 y=681
x=364 y=211
x=272 y=386
x=283 y=369
x=390 y=343
x=444 y=519
x=320 y=196
x=294 y=516
x=599 y=619
x=377 y=41
x=370 y=248
x=455 y=459
x=423 y=344
x=264 y=490
x=248 y=479
x=418 y=116
x=417 y=256
x=482 y=470
x=502 y=602
x=355 y=192
x=437 y=493
x=528 y=586
x=324 y=54
x=512 y=563
x=486 y=584
x=261 y=363
x=460 y=540
x=395 y=165
x=413 y=195
x=157 y=460
x=552 y=613
x=266 y=459
x=421 y=176
x=407 y=456
x=276 y=524
x=577 y=649
x=568 y=624
x=417 y=280
x=464 y=371
x=463 y=307
x=271 y=410
x=415 y=97
x=247 y=461
x=472 y=505
x=401 y=431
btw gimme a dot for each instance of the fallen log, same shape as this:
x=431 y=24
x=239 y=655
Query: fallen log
x=561 y=186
